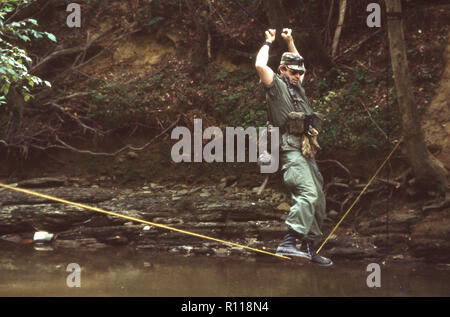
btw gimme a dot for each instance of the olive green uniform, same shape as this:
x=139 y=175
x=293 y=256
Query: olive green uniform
x=301 y=175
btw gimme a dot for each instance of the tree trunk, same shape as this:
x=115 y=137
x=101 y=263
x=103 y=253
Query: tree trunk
x=337 y=34
x=430 y=174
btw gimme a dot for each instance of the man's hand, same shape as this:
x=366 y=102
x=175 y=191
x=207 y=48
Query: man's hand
x=264 y=71
x=287 y=35
x=270 y=35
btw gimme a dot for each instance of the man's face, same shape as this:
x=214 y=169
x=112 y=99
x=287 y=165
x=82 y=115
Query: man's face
x=292 y=75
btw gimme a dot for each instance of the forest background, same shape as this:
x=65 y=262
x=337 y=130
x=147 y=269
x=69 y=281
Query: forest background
x=98 y=102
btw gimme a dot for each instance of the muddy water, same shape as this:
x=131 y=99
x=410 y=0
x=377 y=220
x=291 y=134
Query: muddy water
x=25 y=271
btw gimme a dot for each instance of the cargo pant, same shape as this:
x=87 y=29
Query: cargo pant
x=305 y=182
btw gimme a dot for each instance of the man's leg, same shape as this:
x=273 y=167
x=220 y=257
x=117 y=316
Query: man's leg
x=299 y=179
x=304 y=180
x=315 y=232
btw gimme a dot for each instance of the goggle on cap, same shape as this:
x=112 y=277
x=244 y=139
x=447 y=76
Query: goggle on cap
x=293 y=61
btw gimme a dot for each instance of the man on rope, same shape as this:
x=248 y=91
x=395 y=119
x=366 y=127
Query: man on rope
x=290 y=110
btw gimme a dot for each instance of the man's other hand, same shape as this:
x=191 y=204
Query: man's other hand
x=287 y=35
x=270 y=35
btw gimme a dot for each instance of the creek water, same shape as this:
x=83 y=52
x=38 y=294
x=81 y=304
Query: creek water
x=122 y=271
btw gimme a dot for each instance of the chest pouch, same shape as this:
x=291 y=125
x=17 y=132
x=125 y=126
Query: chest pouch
x=300 y=123
x=296 y=123
x=317 y=121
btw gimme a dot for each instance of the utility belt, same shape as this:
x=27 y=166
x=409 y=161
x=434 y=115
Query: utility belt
x=307 y=127
x=300 y=123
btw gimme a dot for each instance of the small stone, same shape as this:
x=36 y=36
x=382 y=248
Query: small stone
x=333 y=214
x=146 y=228
x=205 y=194
x=42 y=237
x=284 y=206
x=222 y=252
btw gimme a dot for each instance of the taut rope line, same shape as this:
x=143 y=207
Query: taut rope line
x=29 y=192
x=360 y=194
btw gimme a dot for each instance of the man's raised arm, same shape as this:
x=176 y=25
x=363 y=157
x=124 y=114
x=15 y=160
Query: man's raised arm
x=265 y=72
x=287 y=36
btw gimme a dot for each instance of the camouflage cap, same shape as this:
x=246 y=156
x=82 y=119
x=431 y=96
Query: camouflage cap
x=292 y=61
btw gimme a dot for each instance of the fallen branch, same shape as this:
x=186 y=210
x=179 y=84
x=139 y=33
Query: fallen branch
x=341 y=185
x=69 y=51
x=75 y=118
x=127 y=147
x=357 y=45
x=347 y=171
x=388 y=181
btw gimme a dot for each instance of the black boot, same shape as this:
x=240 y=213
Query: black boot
x=307 y=247
x=288 y=248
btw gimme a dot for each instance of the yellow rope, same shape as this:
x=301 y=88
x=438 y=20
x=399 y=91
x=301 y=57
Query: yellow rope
x=137 y=220
x=360 y=194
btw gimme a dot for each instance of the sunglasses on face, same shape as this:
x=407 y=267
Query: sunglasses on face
x=294 y=72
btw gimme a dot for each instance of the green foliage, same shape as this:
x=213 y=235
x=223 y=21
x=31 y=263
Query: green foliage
x=117 y=102
x=235 y=97
x=347 y=123
x=14 y=61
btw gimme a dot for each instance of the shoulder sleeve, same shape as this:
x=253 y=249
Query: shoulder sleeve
x=275 y=87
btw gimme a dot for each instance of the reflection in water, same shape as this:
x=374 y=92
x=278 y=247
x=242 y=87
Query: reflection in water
x=125 y=272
